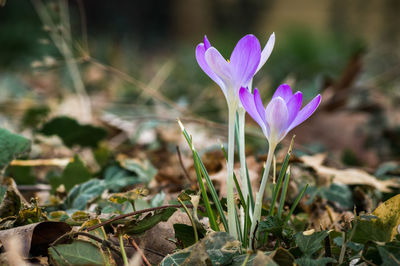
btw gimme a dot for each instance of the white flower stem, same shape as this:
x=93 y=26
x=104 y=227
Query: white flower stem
x=260 y=195
x=242 y=157
x=229 y=180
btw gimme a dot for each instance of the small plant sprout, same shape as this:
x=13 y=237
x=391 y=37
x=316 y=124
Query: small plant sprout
x=282 y=114
x=230 y=75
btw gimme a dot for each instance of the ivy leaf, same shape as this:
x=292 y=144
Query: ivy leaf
x=117 y=178
x=272 y=224
x=217 y=248
x=150 y=220
x=310 y=243
x=261 y=258
x=314 y=262
x=185 y=235
x=78 y=253
x=12 y=146
x=82 y=194
x=74 y=173
x=72 y=133
x=382 y=225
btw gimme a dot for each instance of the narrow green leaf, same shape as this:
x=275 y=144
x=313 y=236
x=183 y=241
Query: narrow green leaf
x=280 y=177
x=295 y=203
x=210 y=214
x=283 y=194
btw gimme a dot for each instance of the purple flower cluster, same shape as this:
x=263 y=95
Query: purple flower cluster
x=282 y=114
x=246 y=59
x=284 y=111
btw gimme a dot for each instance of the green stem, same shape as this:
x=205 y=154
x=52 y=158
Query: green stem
x=196 y=236
x=121 y=244
x=229 y=180
x=259 y=196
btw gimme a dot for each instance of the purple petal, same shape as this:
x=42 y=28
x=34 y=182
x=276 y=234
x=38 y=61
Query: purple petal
x=294 y=106
x=219 y=66
x=277 y=117
x=248 y=103
x=200 y=56
x=266 y=52
x=245 y=59
x=259 y=105
x=306 y=112
x=284 y=91
x=207 y=43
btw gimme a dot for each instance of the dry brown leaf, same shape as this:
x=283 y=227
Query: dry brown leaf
x=349 y=176
x=36 y=237
x=254 y=172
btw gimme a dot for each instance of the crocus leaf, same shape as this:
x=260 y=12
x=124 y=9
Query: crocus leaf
x=78 y=252
x=12 y=146
x=72 y=133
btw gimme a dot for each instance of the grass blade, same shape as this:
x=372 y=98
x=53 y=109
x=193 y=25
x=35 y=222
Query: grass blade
x=210 y=214
x=283 y=194
x=280 y=177
x=203 y=173
x=295 y=203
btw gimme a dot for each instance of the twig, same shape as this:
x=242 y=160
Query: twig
x=104 y=242
x=82 y=14
x=186 y=174
x=155 y=252
x=138 y=249
x=134 y=213
x=62 y=162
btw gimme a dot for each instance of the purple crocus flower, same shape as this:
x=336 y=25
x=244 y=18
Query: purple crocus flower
x=234 y=73
x=282 y=114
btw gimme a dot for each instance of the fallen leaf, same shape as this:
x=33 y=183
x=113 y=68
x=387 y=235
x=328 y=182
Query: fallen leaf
x=389 y=213
x=349 y=176
x=37 y=236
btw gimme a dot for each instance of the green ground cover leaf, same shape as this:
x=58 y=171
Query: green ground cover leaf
x=78 y=252
x=82 y=194
x=258 y=259
x=21 y=174
x=218 y=248
x=314 y=262
x=382 y=225
x=72 y=133
x=150 y=220
x=310 y=243
x=74 y=173
x=12 y=146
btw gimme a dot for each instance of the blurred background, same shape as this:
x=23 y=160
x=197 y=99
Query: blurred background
x=130 y=65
